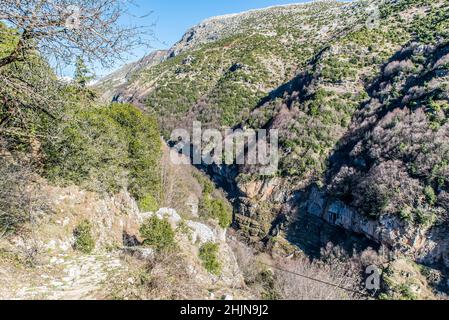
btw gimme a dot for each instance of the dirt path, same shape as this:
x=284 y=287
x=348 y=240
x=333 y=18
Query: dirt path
x=69 y=278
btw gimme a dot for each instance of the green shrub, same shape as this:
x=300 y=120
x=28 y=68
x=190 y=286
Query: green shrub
x=267 y=279
x=406 y=214
x=144 y=150
x=91 y=150
x=216 y=209
x=84 y=241
x=185 y=229
x=376 y=200
x=148 y=203
x=431 y=197
x=222 y=212
x=107 y=149
x=206 y=184
x=406 y=293
x=157 y=233
x=209 y=257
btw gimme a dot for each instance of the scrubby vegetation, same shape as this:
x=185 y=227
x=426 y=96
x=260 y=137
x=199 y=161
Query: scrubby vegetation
x=399 y=166
x=362 y=110
x=221 y=81
x=217 y=209
x=212 y=205
x=107 y=149
x=84 y=240
x=281 y=282
x=209 y=256
x=58 y=130
x=362 y=115
x=157 y=233
x=14 y=207
x=405 y=280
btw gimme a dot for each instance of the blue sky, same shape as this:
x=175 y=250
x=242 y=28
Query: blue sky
x=173 y=17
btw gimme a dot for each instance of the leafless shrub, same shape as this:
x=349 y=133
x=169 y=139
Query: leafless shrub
x=30 y=250
x=64 y=29
x=444 y=60
x=246 y=261
x=443 y=200
x=300 y=278
x=398 y=66
x=371 y=257
x=414 y=93
x=14 y=200
x=19 y=201
x=373 y=192
x=326 y=277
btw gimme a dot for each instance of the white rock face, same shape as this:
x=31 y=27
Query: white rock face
x=422 y=244
x=220 y=234
x=145 y=215
x=316 y=203
x=219 y=27
x=110 y=84
x=201 y=232
x=60 y=245
x=170 y=214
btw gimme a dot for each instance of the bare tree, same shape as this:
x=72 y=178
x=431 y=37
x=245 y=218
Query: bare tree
x=64 y=29
x=301 y=279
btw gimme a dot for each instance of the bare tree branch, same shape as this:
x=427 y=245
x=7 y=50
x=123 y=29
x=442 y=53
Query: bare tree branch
x=64 y=29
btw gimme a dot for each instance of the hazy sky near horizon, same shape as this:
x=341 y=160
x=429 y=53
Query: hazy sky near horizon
x=171 y=18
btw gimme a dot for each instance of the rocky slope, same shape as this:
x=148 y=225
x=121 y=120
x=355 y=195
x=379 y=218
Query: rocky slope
x=42 y=262
x=359 y=93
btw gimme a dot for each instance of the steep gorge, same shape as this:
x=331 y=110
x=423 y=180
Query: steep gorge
x=361 y=109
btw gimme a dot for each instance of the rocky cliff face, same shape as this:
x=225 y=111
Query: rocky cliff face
x=419 y=242
x=111 y=85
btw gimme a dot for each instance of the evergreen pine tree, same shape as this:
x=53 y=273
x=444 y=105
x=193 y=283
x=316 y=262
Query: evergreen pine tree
x=82 y=73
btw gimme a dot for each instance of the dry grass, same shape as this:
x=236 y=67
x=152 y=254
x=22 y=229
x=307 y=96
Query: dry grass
x=334 y=268
x=158 y=279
